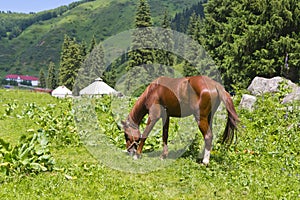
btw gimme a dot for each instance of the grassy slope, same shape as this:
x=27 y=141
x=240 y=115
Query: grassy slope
x=256 y=168
x=41 y=42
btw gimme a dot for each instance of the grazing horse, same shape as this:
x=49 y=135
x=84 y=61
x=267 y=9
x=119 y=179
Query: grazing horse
x=165 y=97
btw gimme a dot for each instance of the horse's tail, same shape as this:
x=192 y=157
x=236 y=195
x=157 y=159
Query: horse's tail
x=232 y=120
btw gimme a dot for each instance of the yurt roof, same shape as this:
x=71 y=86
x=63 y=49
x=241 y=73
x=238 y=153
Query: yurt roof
x=61 y=91
x=98 y=87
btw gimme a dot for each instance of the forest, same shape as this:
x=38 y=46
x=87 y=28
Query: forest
x=244 y=38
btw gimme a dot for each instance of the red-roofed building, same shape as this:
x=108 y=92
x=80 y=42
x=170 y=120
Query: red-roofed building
x=22 y=78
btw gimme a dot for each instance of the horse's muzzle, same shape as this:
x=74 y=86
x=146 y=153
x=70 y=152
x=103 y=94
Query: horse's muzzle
x=131 y=149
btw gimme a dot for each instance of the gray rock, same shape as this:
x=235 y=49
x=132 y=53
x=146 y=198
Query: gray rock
x=294 y=96
x=261 y=85
x=247 y=102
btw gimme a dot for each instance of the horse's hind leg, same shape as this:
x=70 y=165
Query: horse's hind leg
x=204 y=127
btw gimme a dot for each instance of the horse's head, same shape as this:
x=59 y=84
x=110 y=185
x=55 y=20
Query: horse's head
x=132 y=136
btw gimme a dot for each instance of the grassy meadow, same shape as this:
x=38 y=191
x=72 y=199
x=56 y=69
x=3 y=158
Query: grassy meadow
x=42 y=157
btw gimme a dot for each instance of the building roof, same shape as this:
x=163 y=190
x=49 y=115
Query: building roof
x=61 y=91
x=98 y=87
x=22 y=77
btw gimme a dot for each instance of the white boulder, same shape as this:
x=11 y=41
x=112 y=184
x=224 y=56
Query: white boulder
x=247 y=102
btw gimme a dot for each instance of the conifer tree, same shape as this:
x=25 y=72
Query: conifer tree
x=42 y=79
x=51 y=79
x=93 y=44
x=92 y=67
x=140 y=54
x=109 y=76
x=166 y=42
x=192 y=49
x=72 y=56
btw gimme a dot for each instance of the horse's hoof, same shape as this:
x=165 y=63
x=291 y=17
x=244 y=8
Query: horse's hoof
x=205 y=162
x=163 y=157
x=130 y=153
x=136 y=157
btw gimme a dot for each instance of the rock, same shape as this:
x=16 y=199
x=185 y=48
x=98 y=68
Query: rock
x=261 y=85
x=247 y=102
x=294 y=96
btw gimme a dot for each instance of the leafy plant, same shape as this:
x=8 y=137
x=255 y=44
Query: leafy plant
x=10 y=108
x=55 y=120
x=30 y=155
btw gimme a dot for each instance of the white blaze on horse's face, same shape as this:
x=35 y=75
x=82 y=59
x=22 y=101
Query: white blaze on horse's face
x=132 y=137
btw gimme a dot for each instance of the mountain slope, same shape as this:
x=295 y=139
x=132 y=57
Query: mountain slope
x=40 y=43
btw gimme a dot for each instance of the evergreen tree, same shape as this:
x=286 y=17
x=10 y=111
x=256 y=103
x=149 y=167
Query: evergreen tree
x=167 y=43
x=92 y=68
x=42 y=79
x=164 y=56
x=72 y=56
x=83 y=51
x=181 y=20
x=109 y=76
x=192 y=58
x=51 y=79
x=140 y=54
x=93 y=44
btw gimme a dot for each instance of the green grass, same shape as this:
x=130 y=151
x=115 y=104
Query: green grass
x=12 y=127
x=264 y=164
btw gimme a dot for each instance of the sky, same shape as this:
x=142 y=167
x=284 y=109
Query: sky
x=26 y=6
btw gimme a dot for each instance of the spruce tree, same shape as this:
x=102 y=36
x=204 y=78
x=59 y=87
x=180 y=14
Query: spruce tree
x=42 y=79
x=191 y=64
x=51 y=79
x=164 y=54
x=166 y=42
x=93 y=44
x=142 y=37
x=92 y=67
x=72 y=56
x=140 y=54
x=109 y=76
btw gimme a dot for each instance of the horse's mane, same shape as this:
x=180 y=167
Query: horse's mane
x=139 y=109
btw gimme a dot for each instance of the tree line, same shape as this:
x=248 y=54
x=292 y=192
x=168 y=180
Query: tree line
x=244 y=39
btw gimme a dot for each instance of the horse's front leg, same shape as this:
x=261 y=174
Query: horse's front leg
x=149 y=126
x=165 y=121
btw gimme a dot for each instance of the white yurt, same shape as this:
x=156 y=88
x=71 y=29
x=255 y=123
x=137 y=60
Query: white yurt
x=98 y=87
x=61 y=92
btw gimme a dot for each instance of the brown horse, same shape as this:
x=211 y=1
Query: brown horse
x=165 y=97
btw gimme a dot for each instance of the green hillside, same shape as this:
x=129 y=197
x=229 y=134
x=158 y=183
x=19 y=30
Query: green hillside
x=40 y=42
